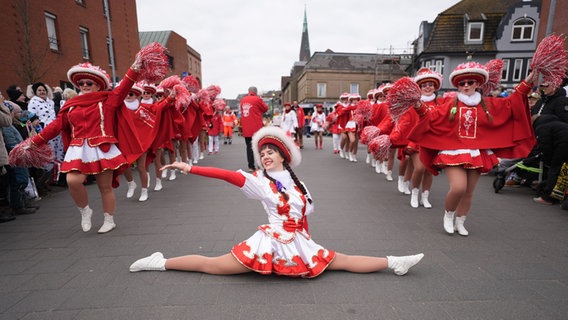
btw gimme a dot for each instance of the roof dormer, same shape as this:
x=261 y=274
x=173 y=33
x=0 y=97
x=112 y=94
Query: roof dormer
x=474 y=29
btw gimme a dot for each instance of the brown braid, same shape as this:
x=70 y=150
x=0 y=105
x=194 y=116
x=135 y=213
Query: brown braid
x=483 y=105
x=297 y=181
x=274 y=181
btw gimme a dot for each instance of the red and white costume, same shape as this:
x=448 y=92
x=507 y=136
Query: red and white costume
x=283 y=246
x=94 y=140
x=318 y=122
x=471 y=140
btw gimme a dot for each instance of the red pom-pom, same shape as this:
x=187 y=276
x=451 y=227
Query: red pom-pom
x=369 y=133
x=404 y=94
x=182 y=96
x=192 y=84
x=152 y=62
x=219 y=104
x=170 y=82
x=213 y=91
x=380 y=147
x=550 y=59
x=494 y=68
x=331 y=118
x=363 y=113
x=26 y=155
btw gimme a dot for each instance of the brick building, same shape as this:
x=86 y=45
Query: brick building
x=43 y=39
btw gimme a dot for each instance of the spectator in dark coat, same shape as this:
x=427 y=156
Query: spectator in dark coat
x=553 y=101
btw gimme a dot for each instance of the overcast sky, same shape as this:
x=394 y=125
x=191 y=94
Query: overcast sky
x=256 y=42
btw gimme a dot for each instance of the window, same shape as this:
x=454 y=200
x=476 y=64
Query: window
x=321 y=87
x=51 y=31
x=528 y=69
x=475 y=31
x=354 y=88
x=505 y=71
x=439 y=66
x=517 y=69
x=523 y=30
x=85 y=42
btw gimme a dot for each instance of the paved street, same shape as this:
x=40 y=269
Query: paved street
x=514 y=264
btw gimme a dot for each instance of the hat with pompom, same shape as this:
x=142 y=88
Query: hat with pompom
x=469 y=70
x=88 y=71
x=426 y=75
x=277 y=137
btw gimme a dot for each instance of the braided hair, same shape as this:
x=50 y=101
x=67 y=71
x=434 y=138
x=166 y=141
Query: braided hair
x=287 y=167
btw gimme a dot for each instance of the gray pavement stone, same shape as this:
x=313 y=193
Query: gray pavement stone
x=512 y=266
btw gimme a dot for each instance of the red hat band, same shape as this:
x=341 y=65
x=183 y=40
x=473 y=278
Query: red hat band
x=278 y=143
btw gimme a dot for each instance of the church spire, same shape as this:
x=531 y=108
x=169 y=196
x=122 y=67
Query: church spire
x=305 y=53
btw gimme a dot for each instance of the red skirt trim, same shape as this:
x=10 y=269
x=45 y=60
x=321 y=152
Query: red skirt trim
x=481 y=160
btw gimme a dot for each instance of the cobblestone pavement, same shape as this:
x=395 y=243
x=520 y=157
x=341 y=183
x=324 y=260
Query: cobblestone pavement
x=514 y=264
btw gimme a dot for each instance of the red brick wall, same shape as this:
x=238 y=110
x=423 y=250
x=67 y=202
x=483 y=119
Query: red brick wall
x=52 y=66
x=559 y=22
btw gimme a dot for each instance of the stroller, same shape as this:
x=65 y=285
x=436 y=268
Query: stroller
x=529 y=170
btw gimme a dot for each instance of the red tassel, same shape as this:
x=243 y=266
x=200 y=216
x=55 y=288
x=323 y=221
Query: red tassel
x=550 y=59
x=26 y=155
x=153 y=63
x=369 y=133
x=494 y=67
x=404 y=94
x=380 y=147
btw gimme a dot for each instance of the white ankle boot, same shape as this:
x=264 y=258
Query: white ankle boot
x=389 y=175
x=341 y=153
x=86 y=214
x=172 y=175
x=143 y=194
x=378 y=168
x=353 y=157
x=400 y=265
x=368 y=158
x=164 y=173
x=108 y=224
x=158 y=185
x=131 y=189
x=406 y=186
x=373 y=162
x=449 y=221
x=424 y=200
x=414 y=197
x=155 y=262
x=459 y=226
x=385 y=167
x=401 y=184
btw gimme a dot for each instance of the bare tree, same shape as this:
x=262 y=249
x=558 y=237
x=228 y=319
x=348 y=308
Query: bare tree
x=32 y=66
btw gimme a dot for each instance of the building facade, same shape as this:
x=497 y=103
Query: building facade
x=480 y=30
x=43 y=39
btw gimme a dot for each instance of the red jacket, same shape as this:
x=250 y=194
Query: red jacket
x=216 y=124
x=508 y=135
x=252 y=107
x=301 y=116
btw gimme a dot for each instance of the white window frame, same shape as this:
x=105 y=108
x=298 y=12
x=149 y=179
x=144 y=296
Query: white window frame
x=505 y=71
x=518 y=70
x=321 y=89
x=51 y=31
x=529 y=62
x=439 y=66
x=522 y=29
x=85 y=42
x=354 y=88
x=470 y=26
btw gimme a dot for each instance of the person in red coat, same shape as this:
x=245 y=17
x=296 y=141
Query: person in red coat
x=96 y=142
x=301 y=119
x=464 y=136
x=215 y=126
x=252 y=107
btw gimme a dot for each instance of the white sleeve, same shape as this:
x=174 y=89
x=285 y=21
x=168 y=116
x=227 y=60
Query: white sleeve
x=254 y=188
